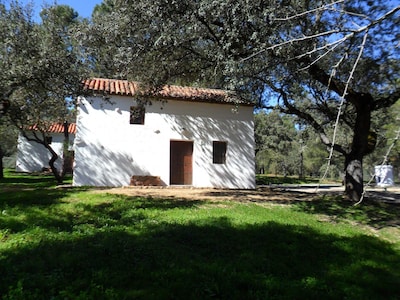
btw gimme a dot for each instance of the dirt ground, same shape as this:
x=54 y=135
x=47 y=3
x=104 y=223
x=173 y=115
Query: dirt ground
x=261 y=194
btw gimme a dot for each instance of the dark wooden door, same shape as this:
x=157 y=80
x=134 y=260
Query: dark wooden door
x=181 y=153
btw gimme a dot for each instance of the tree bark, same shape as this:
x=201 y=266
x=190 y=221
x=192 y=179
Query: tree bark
x=354 y=186
x=1 y=164
x=53 y=168
x=58 y=176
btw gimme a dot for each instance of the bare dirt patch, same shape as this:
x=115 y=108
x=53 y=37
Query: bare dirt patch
x=261 y=194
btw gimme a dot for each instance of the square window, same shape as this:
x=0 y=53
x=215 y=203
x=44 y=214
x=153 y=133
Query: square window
x=219 y=152
x=137 y=115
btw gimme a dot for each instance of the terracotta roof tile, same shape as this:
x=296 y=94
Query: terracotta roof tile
x=57 y=128
x=174 y=92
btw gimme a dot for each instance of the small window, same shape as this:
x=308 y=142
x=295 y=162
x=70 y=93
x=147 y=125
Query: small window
x=219 y=152
x=137 y=115
x=49 y=140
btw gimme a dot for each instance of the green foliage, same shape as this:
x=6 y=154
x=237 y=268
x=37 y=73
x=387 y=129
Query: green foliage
x=238 y=45
x=106 y=7
x=277 y=143
x=8 y=138
x=85 y=244
x=285 y=147
x=40 y=66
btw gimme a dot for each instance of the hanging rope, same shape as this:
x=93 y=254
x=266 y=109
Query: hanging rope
x=342 y=99
x=385 y=159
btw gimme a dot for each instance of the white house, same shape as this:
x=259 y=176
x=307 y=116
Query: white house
x=184 y=136
x=34 y=157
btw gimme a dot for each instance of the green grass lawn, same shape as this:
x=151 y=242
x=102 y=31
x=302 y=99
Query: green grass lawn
x=78 y=243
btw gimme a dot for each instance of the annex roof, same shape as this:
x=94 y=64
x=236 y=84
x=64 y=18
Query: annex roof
x=174 y=92
x=57 y=128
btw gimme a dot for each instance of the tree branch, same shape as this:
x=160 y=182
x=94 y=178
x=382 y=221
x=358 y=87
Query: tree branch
x=291 y=109
x=387 y=101
x=324 y=7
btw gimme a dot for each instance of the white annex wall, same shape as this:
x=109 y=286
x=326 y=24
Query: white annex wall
x=33 y=157
x=109 y=150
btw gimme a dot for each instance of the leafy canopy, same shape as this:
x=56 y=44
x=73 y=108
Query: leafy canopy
x=39 y=66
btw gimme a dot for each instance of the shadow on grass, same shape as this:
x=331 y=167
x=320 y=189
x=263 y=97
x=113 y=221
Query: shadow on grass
x=370 y=212
x=260 y=195
x=23 y=209
x=35 y=195
x=213 y=258
x=15 y=180
x=28 y=198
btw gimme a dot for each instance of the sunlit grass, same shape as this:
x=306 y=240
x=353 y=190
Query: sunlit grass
x=58 y=243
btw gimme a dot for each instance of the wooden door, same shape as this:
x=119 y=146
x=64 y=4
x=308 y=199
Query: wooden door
x=181 y=153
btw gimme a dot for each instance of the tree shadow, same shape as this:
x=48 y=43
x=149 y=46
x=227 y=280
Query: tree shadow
x=165 y=203
x=25 y=179
x=260 y=195
x=35 y=195
x=142 y=258
x=371 y=211
x=23 y=208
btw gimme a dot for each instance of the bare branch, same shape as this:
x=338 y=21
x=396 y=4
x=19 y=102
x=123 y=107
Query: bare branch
x=304 y=38
x=291 y=109
x=334 y=45
x=325 y=33
x=379 y=20
x=324 y=7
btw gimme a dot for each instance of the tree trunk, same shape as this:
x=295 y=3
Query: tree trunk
x=58 y=176
x=301 y=171
x=52 y=160
x=1 y=164
x=359 y=147
x=354 y=186
x=65 y=150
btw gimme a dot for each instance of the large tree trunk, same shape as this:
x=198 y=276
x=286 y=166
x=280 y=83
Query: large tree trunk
x=354 y=186
x=359 y=147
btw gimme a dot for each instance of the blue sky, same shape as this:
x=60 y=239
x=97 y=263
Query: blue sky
x=83 y=7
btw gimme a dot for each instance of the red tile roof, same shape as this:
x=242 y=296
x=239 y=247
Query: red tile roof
x=57 y=128
x=174 y=92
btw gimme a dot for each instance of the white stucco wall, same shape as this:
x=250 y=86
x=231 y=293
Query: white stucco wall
x=33 y=157
x=109 y=150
